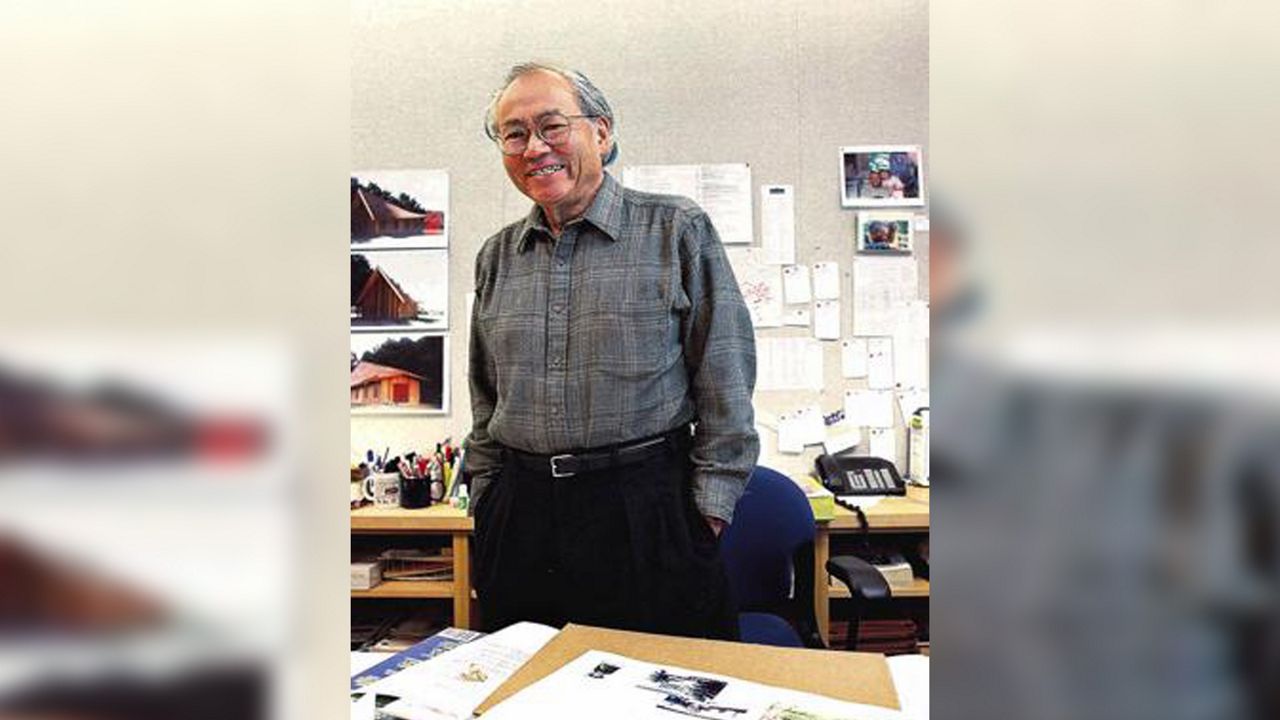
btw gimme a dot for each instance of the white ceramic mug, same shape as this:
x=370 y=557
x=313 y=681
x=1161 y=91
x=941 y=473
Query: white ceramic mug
x=383 y=489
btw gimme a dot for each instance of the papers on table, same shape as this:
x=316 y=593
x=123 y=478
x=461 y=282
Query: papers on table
x=452 y=685
x=911 y=678
x=604 y=685
x=361 y=661
x=722 y=190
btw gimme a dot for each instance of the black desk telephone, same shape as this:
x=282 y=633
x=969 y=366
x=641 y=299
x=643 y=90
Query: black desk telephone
x=859 y=475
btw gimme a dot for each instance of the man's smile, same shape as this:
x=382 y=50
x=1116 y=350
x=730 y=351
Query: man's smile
x=545 y=170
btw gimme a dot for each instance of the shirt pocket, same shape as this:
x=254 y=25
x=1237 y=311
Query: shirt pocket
x=627 y=332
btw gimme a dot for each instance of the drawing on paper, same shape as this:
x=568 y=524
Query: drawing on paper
x=690 y=695
x=602 y=670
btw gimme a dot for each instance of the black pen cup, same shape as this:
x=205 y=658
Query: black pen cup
x=415 y=492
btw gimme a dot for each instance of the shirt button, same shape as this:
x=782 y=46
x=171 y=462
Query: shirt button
x=557 y=309
x=560 y=263
x=555 y=362
x=555 y=410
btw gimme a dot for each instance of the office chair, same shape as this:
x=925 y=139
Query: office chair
x=768 y=555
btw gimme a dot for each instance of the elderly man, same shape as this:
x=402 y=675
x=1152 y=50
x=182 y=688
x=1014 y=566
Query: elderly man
x=612 y=366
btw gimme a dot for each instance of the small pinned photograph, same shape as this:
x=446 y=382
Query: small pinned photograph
x=397 y=373
x=400 y=289
x=885 y=233
x=692 y=695
x=399 y=209
x=881 y=176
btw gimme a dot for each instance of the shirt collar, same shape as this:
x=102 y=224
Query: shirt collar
x=605 y=212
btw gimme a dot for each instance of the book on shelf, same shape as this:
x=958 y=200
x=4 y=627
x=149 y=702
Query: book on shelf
x=412 y=564
x=895 y=569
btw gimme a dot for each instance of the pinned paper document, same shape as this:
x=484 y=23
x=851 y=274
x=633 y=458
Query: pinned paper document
x=826 y=319
x=778 y=224
x=723 y=190
x=880 y=363
x=788 y=364
x=911 y=400
x=842 y=436
x=790 y=439
x=882 y=288
x=853 y=358
x=760 y=284
x=795 y=284
x=826 y=281
x=798 y=317
x=869 y=408
x=812 y=430
x=883 y=443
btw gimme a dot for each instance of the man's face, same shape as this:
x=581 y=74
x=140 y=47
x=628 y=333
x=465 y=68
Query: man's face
x=575 y=166
x=880 y=234
x=874 y=177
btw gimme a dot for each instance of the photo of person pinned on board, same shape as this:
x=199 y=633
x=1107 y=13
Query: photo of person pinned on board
x=881 y=176
x=612 y=364
x=885 y=233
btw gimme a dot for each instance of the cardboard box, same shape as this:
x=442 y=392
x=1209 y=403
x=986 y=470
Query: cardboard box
x=365 y=574
x=851 y=676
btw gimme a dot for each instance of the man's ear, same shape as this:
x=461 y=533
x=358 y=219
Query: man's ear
x=603 y=135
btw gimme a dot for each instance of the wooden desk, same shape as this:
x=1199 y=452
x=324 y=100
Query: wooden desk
x=897 y=514
x=892 y=514
x=435 y=520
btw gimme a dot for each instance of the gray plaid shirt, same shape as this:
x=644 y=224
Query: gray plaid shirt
x=627 y=326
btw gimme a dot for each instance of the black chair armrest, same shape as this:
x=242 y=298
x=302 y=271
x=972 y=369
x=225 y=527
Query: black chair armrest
x=861 y=577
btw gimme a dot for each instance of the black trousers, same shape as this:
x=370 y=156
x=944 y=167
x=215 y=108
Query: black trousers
x=623 y=548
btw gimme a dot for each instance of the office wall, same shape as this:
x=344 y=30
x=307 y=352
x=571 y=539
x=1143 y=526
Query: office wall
x=779 y=85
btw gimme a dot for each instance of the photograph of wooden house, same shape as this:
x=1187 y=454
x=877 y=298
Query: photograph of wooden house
x=397 y=372
x=400 y=289
x=399 y=209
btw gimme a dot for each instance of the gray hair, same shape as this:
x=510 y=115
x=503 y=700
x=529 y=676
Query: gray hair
x=590 y=99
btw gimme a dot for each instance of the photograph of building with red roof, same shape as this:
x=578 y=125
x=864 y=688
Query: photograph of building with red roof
x=374 y=384
x=395 y=372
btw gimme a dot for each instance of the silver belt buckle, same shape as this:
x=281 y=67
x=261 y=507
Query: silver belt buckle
x=555 y=472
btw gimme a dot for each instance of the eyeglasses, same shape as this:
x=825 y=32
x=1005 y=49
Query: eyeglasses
x=552 y=129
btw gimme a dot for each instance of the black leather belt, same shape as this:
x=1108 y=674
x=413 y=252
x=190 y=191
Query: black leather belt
x=569 y=464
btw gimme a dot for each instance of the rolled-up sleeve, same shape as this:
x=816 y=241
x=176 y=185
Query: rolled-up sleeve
x=720 y=355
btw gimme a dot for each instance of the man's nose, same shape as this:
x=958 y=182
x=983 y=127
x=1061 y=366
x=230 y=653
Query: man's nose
x=536 y=146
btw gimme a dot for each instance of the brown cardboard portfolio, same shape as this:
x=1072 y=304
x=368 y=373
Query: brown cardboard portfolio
x=851 y=676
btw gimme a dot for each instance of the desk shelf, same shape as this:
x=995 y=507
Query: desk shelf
x=906 y=516
x=407 y=589
x=438 y=520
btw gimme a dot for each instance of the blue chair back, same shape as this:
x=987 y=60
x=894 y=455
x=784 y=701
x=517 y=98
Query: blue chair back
x=772 y=527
